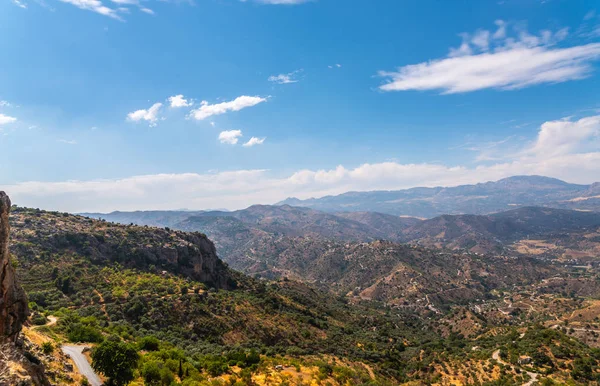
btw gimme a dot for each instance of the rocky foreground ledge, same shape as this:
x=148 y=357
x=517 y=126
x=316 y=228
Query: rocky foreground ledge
x=13 y=301
x=15 y=366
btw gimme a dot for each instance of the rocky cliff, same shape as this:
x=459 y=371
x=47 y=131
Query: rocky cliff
x=47 y=234
x=13 y=301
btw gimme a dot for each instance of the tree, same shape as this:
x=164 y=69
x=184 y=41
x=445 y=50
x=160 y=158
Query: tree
x=166 y=376
x=149 y=343
x=116 y=360
x=151 y=373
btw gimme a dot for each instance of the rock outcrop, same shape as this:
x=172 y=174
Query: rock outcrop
x=101 y=243
x=13 y=301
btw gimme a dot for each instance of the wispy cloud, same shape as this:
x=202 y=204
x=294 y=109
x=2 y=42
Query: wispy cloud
x=68 y=141
x=207 y=110
x=149 y=115
x=254 y=141
x=179 y=101
x=99 y=7
x=335 y=66
x=20 y=4
x=230 y=137
x=280 y=2
x=495 y=60
x=285 y=78
x=95 y=6
x=590 y=15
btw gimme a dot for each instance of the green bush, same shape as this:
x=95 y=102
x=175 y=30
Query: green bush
x=39 y=319
x=47 y=348
x=151 y=373
x=80 y=333
x=149 y=343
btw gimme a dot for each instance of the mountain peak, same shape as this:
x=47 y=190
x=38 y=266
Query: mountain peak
x=534 y=179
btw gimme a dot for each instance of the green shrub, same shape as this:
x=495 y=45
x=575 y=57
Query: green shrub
x=39 y=319
x=151 y=373
x=80 y=333
x=47 y=348
x=149 y=343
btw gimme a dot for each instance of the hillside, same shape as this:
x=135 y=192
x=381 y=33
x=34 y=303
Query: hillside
x=482 y=198
x=93 y=281
x=44 y=234
x=384 y=271
x=137 y=281
x=495 y=232
x=262 y=233
x=280 y=220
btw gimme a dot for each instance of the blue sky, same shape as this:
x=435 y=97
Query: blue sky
x=131 y=104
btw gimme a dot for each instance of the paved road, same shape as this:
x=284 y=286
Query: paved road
x=83 y=366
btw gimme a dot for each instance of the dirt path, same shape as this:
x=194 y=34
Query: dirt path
x=51 y=322
x=102 y=304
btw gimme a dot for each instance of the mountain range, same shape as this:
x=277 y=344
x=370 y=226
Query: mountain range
x=483 y=198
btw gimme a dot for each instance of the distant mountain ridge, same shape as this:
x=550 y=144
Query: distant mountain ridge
x=494 y=232
x=256 y=239
x=482 y=198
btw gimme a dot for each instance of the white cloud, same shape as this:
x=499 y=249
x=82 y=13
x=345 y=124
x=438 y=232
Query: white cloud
x=5 y=119
x=94 y=6
x=150 y=115
x=281 y=2
x=20 y=4
x=207 y=110
x=284 y=78
x=147 y=10
x=565 y=149
x=557 y=138
x=336 y=66
x=179 y=101
x=482 y=61
x=230 y=137
x=481 y=39
x=5 y=104
x=501 y=31
x=254 y=141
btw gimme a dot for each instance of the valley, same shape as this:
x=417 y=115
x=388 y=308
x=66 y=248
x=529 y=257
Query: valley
x=309 y=297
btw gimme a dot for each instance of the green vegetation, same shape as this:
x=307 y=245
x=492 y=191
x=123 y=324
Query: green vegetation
x=151 y=321
x=116 y=360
